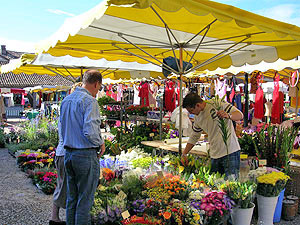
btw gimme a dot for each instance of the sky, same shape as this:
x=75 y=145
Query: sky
x=26 y=22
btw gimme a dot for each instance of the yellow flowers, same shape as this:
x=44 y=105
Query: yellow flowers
x=196 y=216
x=272 y=178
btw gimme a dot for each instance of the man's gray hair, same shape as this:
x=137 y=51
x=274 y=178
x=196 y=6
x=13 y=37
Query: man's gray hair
x=91 y=77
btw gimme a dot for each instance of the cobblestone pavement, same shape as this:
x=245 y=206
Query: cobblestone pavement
x=21 y=203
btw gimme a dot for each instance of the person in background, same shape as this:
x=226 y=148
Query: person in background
x=81 y=134
x=2 y=109
x=206 y=120
x=60 y=193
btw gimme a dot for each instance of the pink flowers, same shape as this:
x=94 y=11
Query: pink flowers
x=215 y=202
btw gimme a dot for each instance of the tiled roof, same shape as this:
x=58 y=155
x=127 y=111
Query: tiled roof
x=11 y=80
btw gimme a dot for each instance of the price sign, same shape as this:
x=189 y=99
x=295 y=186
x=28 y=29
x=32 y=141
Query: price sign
x=125 y=214
x=262 y=162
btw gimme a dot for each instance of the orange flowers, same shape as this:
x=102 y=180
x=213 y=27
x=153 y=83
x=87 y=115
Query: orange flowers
x=167 y=215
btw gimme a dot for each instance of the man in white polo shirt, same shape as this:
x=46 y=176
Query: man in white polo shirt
x=206 y=119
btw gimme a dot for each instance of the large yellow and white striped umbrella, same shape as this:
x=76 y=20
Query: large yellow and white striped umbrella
x=219 y=34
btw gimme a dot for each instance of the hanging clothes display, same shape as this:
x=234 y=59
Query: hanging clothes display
x=259 y=99
x=152 y=94
x=136 y=98
x=144 y=90
x=275 y=107
x=119 y=92
x=232 y=92
x=170 y=96
x=238 y=101
x=254 y=81
x=220 y=88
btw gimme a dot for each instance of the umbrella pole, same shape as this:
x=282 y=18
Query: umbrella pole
x=180 y=101
x=81 y=77
x=246 y=101
x=297 y=92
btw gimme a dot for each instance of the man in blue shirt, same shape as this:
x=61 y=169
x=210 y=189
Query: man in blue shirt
x=81 y=134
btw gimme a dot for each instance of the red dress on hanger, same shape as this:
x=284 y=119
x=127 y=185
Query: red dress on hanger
x=275 y=107
x=144 y=94
x=259 y=100
x=170 y=96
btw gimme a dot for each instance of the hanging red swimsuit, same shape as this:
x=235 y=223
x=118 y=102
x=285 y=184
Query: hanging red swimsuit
x=275 y=107
x=259 y=100
x=170 y=96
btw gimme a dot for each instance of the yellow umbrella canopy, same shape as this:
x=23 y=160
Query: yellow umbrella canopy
x=205 y=33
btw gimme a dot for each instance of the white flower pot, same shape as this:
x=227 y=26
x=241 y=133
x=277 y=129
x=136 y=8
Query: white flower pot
x=241 y=216
x=266 y=209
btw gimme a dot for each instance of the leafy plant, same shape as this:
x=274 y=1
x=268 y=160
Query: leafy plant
x=275 y=144
x=242 y=193
x=246 y=142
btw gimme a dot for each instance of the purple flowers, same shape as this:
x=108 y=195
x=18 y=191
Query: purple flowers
x=139 y=206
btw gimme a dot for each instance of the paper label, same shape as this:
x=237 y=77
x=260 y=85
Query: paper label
x=262 y=162
x=151 y=134
x=244 y=156
x=160 y=173
x=125 y=214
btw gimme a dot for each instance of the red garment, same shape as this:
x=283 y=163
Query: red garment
x=232 y=93
x=275 y=107
x=259 y=103
x=281 y=102
x=170 y=96
x=109 y=90
x=144 y=94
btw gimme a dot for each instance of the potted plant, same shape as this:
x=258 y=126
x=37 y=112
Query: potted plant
x=242 y=193
x=269 y=187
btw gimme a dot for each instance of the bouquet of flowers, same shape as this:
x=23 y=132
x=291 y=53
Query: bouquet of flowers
x=242 y=193
x=271 y=184
x=216 y=206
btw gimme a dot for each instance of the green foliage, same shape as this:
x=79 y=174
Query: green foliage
x=2 y=138
x=213 y=180
x=242 y=193
x=275 y=144
x=247 y=144
x=270 y=190
x=132 y=186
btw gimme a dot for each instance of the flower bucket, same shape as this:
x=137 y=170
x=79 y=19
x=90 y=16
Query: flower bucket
x=241 y=216
x=278 y=209
x=266 y=209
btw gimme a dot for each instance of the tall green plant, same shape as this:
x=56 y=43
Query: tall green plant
x=275 y=144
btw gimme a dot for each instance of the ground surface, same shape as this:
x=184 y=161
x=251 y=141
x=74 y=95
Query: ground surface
x=21 y=203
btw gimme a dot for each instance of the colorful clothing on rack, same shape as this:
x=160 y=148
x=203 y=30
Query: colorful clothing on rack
x=144 y=94
x=275 y=107
x=259 y=103
x=119 y=92
x=170 y=96
x=136 y=98
x=221 y=88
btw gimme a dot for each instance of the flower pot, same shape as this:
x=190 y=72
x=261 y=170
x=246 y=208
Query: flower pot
x=278 y=209
x=241 y=216
x=266 y=209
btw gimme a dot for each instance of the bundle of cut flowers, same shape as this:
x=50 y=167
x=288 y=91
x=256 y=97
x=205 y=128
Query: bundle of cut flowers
x=271 y=184
x=216 y=205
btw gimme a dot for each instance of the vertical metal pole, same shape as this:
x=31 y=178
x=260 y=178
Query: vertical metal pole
x=160 y=117
x=180 y=100
x=297 y=92
x=81 y=71
x=246 y=101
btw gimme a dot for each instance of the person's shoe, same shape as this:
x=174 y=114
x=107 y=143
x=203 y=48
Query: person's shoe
x=51 y=222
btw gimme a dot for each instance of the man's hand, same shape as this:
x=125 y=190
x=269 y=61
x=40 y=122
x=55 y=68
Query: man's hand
x=102 y=150
x=223 y=114
x=184 y=159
